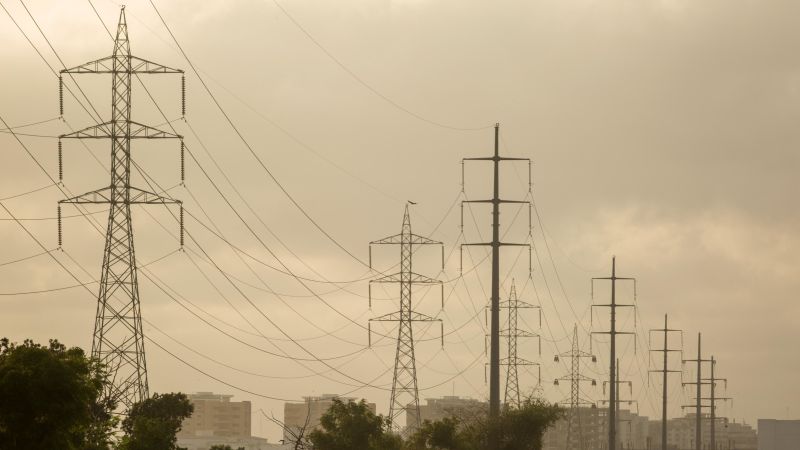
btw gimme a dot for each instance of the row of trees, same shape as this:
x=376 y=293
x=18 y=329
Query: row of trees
x=52 y=397
x=351 y=425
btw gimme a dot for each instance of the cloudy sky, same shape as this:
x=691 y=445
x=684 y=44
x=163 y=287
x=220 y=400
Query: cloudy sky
x=661 y=131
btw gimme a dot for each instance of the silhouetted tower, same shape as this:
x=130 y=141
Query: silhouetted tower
x=698 y=406
x=612 y=423
x=118 y=341
x=666 y=350
x=512 y=333
x=495 y=244
x=404 y=383
x=575 y=437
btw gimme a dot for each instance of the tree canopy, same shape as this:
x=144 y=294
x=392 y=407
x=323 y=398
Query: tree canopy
x=348 y=426
x=50 y=397
x=153 y=423
x=516 y=429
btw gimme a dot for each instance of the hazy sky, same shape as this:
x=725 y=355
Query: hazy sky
x=661 y=131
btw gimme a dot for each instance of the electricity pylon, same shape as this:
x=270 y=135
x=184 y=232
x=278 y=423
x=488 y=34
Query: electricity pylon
x=698 y=432
x=612 y=424
x=575 y=440
x=512 y=333
x=118 y=341
x=404 y=383
x=665 y=370
x=495 y=244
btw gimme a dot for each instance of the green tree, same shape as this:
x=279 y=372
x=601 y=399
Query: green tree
x=516 y=429
x=153 y=423
x=523 y=428
x=350 y=426
x=50 y=398
x=446 y=434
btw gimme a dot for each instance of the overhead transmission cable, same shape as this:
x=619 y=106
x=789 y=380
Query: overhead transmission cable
x=361 y=80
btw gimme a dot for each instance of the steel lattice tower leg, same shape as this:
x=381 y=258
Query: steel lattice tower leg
x=512 y=333
x=575 y=439
x=118 y=340
x=405 y=396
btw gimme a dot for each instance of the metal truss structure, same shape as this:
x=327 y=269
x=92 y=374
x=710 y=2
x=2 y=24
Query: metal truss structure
x=575 y=438
x=118 y=340
x=405 y=394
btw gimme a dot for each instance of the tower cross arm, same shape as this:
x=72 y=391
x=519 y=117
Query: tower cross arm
x=496 y=201
x=104 y=131
x=397 y=278
x=518 y=361
x=615 y=305
x=137 y=196
x=140 y=65
x=99 y=131
x=141 y=131
x=495 y=158
x=519 y=333
x=396 y=239
x=106 y=65
x=518 y=304
x=396 y=317
x=422 y=240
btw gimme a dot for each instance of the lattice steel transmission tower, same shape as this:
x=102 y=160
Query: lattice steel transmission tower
x=575 y=436
x=512 y=361
x=118 y=340
x=404 y=383
x=496 y=244
x=613 y=332
x=664 y=371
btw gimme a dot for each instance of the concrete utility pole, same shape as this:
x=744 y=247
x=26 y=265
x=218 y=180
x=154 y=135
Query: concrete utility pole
x=495 y=244
x=698 y=432
x=617 y=401
x=118 y=341
x=665 y=371
x=612 y=416
x=712 y=382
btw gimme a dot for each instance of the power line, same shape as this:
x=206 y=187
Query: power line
x=362 y=82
